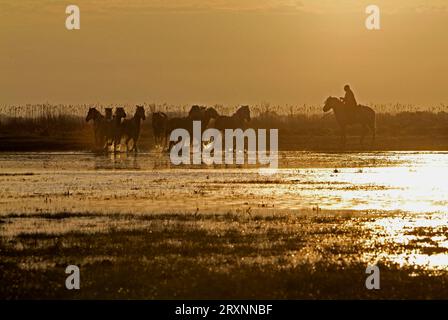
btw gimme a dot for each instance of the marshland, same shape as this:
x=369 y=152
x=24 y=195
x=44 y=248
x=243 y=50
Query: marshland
x=140 y=227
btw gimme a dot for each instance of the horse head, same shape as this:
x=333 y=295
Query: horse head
x=140 y=113
x=243 y=113
x=211 y=113
x=108 y=112
x=120 y=113
x=196 y=112
x=91 y=114
x=330 y=103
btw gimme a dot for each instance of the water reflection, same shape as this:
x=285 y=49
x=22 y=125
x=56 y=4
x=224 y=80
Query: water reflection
x=388 y=181
x=116 y=161
x=380 y=184
x=419 y=241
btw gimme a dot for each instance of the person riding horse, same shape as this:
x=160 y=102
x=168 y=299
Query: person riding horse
x=349 y=100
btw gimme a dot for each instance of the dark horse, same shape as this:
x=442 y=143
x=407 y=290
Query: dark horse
x=99 y=124
x=236 y=121
x=159 y=120
x=130 y=128
x=197 y=113
x=115 y=128
x=362 y=115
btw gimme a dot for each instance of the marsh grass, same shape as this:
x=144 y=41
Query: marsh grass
x=213 y=256
x=61 y=127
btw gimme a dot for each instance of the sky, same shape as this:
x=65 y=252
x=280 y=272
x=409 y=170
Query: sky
x=223 y=52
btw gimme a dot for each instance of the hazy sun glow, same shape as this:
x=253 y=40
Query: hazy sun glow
x=231 y=52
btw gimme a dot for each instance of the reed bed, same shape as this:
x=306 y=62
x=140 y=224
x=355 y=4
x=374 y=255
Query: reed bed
x=424 y=128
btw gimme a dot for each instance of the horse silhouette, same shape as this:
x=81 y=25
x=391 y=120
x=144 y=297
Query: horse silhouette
x=363 y=115
x=99 y=126
x=238 y=120
x=115 y=128
x=196 y=113
x=159 y=120
x=108 y=113
x=130 y=128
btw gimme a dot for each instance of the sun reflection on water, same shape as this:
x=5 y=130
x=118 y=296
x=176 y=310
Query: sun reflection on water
x=402 y=196
x=418 y=241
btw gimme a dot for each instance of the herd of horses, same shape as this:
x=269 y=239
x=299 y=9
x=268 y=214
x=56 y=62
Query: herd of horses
x=111 y=129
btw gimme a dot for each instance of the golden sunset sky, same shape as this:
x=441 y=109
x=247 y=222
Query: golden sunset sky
x=226 y=52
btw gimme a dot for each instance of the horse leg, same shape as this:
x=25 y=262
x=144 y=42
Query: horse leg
x=95 y=134
x=161 y=140
x=166 y=144
x=127 y=143
x=343 y=136
x=134 y=147
x=170 y=146
x=100 y=143
x=117 y=140
x=106 y=145
x=133 y=144
x=373 y=129
x=363 y=134
x=164 y=141
x=109 y=142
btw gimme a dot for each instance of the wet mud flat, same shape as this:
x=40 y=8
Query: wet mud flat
x=314 y=254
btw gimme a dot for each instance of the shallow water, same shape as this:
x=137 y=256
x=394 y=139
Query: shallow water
x=78 y=182
x=403 y=194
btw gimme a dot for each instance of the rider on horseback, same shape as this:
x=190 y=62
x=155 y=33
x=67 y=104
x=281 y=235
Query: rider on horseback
x=349 y=99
